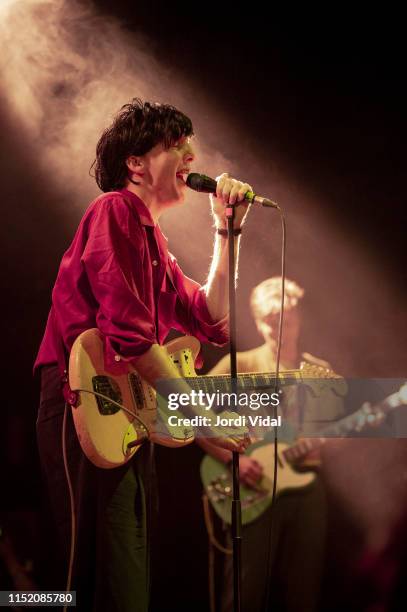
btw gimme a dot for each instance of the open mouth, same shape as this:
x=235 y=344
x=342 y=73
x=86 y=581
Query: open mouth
x=182 y=175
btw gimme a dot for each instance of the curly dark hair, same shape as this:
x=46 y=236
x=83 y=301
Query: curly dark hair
x=136 y=129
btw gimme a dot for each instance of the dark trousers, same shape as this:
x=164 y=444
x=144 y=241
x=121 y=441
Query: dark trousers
x=111 y=561
x=296 y=557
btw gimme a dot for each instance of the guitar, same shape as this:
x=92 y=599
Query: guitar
x=114 y=415
x=217 y=478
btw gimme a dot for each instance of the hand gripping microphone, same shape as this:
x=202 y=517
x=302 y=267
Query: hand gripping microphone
x=200 y=182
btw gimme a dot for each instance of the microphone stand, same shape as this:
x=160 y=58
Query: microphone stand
x=236 y=505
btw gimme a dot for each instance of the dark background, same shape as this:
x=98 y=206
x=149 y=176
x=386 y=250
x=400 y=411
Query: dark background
x=322 y=96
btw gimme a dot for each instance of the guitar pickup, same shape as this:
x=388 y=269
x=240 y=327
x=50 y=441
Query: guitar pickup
x=106 y=386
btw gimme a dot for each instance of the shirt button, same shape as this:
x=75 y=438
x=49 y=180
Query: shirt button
x=117 y=357
x=154 y=262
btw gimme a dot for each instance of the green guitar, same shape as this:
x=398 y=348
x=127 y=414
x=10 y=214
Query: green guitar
x=217 y=478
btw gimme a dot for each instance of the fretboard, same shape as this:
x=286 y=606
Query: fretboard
x=357 y=420
x=256 y=381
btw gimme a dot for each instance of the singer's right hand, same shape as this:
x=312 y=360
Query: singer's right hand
x=229 y=437
x=237 y=444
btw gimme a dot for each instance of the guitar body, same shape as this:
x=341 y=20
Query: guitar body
x=217 y=480
x=104 y=430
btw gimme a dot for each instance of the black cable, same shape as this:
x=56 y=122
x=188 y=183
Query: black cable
x=152 y=489
x=71 y=500
x=275 y=441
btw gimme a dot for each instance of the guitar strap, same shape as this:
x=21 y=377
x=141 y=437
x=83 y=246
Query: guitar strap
x=168 y=277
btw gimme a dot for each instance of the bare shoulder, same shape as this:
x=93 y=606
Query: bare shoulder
x=223 y=366
x=315 y=360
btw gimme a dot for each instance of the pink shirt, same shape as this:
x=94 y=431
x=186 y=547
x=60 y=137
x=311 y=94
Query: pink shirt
x=113 y=277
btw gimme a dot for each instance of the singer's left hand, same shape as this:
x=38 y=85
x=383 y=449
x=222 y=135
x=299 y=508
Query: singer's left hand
x=229 y=191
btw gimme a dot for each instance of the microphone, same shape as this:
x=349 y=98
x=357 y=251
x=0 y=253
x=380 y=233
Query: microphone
x=205 y=184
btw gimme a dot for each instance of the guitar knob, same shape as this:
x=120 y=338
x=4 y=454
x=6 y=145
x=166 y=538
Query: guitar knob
x=218 y=499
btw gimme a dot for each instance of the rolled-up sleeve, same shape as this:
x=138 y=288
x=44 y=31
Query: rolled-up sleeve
x=113 y=263
x=192 y=312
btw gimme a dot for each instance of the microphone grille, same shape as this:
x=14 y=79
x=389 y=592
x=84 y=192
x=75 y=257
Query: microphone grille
x=200 y=182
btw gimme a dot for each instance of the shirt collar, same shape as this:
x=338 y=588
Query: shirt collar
x=141 y=208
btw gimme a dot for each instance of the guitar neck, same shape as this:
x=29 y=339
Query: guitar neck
x=359 y=420
x=256 y=381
